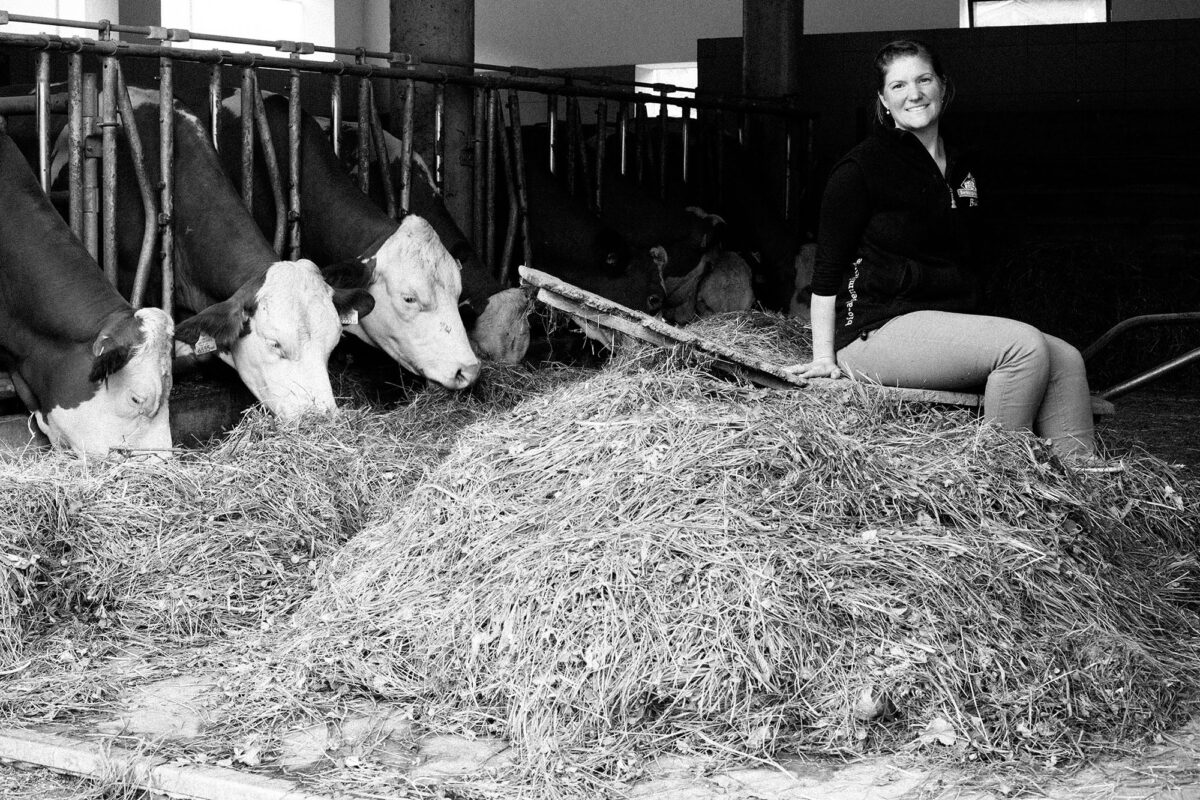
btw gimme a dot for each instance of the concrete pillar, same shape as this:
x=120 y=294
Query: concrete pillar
x=442 y=29
x=772 y=31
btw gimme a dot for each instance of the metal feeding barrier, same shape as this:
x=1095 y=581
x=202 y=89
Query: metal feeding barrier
x=97 y=106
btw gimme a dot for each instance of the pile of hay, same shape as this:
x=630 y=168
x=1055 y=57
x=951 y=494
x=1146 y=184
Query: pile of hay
x=221 y=540
x=654 y=561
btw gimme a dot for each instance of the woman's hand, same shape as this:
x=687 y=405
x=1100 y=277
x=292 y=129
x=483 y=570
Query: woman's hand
x=824 y=367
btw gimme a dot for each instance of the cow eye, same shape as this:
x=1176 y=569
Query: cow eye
x=275 y=346
x=408 y=298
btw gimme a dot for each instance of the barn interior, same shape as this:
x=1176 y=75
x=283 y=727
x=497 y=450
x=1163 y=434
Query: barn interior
x=380 y=607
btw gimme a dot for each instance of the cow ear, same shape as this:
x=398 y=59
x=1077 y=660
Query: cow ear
x=352 y=304
x=112 y=347
x=353 y=273
x=217 y=327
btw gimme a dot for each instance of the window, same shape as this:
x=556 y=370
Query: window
x=993 y=13
x=291 y=20
x=684 y=74
x=90 y=10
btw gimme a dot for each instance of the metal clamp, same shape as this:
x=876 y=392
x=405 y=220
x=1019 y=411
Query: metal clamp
x=295 y=48
x=3 y=17
x=403 y=59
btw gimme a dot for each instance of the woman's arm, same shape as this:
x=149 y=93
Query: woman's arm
x=824 y=363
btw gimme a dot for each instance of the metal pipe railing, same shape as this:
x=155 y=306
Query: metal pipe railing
x=91 y=170
x=166 y=133
x=294 y=177
x=514 y=109
x=383 y=157
x=42 y=94
x=335 y=113
x=477 y=117
x=439 y=137
x=271 y=162
x=108 y=167
x=247 y=140
x=141 y=276
x=489 y=224
x=504 y=134
x=75 y=142
x=214 y=104
x=406 y=144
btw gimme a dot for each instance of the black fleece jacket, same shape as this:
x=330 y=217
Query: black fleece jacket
x=894 y=235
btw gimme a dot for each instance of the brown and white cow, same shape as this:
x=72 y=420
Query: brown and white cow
x=413 y=279
x=95 y=374
x=274 y=321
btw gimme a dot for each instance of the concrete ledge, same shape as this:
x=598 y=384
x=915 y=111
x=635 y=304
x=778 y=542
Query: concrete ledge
x=90 y=760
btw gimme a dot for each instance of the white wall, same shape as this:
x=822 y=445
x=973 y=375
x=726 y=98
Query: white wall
x=589 y=33
x=851 y=16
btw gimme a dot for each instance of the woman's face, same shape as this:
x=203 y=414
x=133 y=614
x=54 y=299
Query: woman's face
x=912 y=93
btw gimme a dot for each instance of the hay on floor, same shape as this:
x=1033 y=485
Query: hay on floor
x=655 y=561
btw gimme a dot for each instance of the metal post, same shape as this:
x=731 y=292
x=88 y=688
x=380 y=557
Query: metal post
x=248 y=137
x=572 y=106
x=141 y=276
x=364 y=134
x=406 y=144
x=514 y=113
x=581 y=145
x=510 y=185
x=663 y=119
x=623 y=135
x=75 y=141
x=335 y=113
x=552 y=128
x=477 y=119
x=787 y=169
x=42 y=92
x=108 y=166
x=640 y=122
x=91 y=169
x=293 y=163
x=271 y=161
x=601 y=132
x=383 y=157
x=439 y=136
x=684 y=133
x=166 y=128
x=720 y=182
x=214 y=104
x=489 y=230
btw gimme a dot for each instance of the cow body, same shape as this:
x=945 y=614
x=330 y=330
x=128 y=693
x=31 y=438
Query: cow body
x=95 y=374
x=414 y=280
x=273 y=321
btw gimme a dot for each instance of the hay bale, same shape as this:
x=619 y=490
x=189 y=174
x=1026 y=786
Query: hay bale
x=225 y=539
x=655 y=561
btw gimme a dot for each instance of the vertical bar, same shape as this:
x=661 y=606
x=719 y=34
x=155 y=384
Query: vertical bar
x=141 y=275
x=514 y=113
x=684 y=133
x=42 y=99
x=552 y=128
x=91 y=169
x=601 y=134
x=294 y=163
x=75 y=141
x=406 y=144
x=787 y=169
x=439 y=136
x=384 y=158
x=247 y=137
x=623 y=135
x=166 y=129
x=335 y=113
x=214 y=104
x=477 y=167
x=663 y=119
x=489 y=230
x=720 y=182
x=108 y=166
x=364 y=134
x=572 y=107
x=504 y=134
x=271 y=162
x=640 y=113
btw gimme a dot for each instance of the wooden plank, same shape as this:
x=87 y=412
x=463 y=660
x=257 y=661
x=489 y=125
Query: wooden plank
x=592 y=310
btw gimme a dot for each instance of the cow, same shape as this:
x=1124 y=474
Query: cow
x=414 y=280
x=497 y=318
x=274 y=321
x=95 y=374
x=719 y=284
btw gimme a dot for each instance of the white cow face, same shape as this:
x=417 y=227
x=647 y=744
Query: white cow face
x=284 y=355
x=128 y=410
x=416 y=284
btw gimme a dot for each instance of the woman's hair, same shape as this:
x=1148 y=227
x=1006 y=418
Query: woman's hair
x=898 y=49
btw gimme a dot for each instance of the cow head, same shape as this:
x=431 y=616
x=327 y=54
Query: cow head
x=277 y=331
x=501 y=332
x=129 y=370
x=416 y=284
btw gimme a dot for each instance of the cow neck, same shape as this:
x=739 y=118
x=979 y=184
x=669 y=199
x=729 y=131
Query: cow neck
x=338 y=221
x=50 y=287
x=224 y=247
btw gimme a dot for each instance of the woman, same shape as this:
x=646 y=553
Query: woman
x=893 y=287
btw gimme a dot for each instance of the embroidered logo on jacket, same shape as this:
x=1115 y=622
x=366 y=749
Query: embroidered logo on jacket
x=968 y=190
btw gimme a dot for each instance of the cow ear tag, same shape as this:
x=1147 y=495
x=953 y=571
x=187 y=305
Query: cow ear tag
x=205 y=344
x=350 y=317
